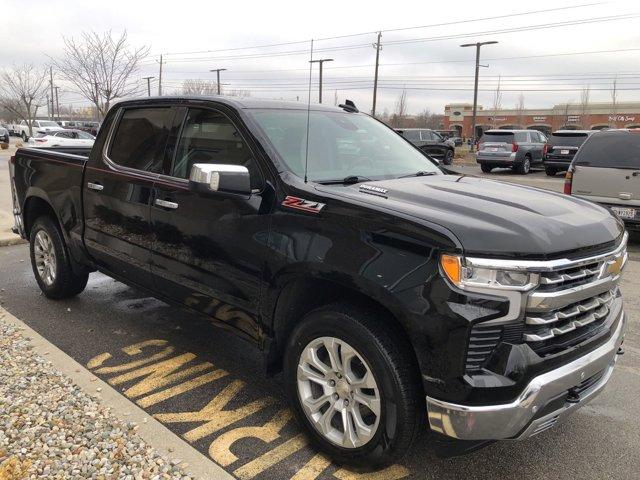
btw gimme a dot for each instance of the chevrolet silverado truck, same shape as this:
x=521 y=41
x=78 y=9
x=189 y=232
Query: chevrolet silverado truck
x=393 y=298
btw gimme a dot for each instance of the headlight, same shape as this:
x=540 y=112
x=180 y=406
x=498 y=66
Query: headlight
x=464 y=274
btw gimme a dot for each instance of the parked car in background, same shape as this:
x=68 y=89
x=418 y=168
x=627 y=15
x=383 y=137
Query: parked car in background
x=562 y=147
x=4 y=135
x=38 y=125
x=457 y=141
x=430 y=142
x=516 y=149
x=606 y=170
x=63 y=138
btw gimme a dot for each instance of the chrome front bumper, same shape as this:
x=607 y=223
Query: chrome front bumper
x=515 y=420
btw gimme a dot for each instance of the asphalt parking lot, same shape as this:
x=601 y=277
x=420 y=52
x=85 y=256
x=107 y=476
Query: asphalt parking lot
x=207 y=385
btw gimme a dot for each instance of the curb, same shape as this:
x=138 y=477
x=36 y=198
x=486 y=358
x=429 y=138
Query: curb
x=8 y=241
x=150 y=430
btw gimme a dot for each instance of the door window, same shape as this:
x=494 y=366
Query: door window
x=426 y=135
x=140 y=137
x=209 y=136
x=411 y=134
x=521 y=137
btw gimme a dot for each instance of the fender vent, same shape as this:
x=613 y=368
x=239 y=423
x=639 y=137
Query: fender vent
x=482 y=341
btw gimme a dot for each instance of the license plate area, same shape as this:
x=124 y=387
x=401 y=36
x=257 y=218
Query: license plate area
x=625 y=212
x=564 y=152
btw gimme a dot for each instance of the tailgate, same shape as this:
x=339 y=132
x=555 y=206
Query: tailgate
x=616 y=186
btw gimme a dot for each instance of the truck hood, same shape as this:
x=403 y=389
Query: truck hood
x=494 y=218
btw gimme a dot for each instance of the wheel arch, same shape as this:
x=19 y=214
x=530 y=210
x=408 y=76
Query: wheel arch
x=298 y=295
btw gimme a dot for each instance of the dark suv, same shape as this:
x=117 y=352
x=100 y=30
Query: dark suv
x=516 y=149
x=561 y=149
x=430 y=142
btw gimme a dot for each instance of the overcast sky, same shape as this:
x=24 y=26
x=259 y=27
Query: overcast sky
x=434 y=71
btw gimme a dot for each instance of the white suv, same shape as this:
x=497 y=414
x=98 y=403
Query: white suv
x=606 y=170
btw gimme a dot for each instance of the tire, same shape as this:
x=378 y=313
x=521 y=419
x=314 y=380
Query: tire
x=525 y=166
x=51 y=263
x=486 y=168
x=393 y=380
x=550 y=171
x=448 y=157
x=24 y=136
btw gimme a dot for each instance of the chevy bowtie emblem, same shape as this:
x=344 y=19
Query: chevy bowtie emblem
x=614 y=266
x=302 y=204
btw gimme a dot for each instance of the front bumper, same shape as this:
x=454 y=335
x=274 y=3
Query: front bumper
x=538 y=407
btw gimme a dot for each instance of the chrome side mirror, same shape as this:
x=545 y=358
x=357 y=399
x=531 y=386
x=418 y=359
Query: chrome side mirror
x=211 y=177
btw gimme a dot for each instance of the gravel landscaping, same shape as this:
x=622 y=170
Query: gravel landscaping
x=50 y=428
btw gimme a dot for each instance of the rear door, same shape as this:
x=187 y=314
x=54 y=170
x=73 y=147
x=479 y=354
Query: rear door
x=607 y=170
x=537 y=145
x=117 y=191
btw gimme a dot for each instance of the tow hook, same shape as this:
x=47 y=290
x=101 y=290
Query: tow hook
x=573 y=396
x=620 y=351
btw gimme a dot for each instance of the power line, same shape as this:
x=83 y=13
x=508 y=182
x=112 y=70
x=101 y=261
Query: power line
x=458 y=22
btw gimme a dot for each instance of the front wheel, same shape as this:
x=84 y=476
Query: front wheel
x=353 y=386
x=51 y=263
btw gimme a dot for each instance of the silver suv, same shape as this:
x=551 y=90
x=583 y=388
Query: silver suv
x=606 y=170
x=516 y=149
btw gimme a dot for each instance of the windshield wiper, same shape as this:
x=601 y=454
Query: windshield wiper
x=350 y=180
x=419 y=173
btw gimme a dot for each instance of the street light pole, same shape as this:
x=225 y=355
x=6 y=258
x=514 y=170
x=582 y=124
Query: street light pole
x=148 y=79
x=321 y=61
x=475 y=87
x=218 y=70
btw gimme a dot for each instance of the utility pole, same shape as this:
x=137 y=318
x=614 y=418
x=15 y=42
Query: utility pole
x=218 y=70
x=320 y=62
x=57 y=102
x=51 y=86
x=148 y=79
x=378 y=47
x=160 y=78
x=475 y=87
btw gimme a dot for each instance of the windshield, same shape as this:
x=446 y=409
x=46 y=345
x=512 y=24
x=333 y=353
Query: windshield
x=48 y=123
x=567 y=139
x=340 y=145
x=611 y=150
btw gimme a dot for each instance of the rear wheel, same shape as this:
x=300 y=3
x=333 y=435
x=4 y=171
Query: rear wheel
x=486 y=168
x=550 y=171
x=51 y=263
x=448 y=157
x=353 y=386
x=525 y=166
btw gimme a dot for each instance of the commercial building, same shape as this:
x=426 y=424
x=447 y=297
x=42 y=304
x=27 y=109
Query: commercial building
x=593 y=116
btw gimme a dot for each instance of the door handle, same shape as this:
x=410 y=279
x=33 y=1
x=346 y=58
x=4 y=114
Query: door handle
x=625 y=196
x=165 y=204
x=95 y=186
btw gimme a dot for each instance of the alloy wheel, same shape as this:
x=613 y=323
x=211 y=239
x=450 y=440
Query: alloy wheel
x=45 y=257
x=338 y=392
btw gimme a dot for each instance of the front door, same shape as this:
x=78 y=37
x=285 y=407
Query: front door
x=209 y=249
x=117 y=192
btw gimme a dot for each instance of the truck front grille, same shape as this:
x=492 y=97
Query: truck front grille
x=570 y=304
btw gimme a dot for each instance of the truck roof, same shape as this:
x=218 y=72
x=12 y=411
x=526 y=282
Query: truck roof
x=236 y=102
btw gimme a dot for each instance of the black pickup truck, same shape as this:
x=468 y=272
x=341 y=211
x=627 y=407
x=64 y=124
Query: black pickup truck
x=393 y=297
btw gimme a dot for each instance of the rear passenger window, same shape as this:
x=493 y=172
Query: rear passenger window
x=521 y=137
x=611 y=150
x=210 y=137
x=139 y=138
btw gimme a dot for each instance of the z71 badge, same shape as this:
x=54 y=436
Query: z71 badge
x=302 y=204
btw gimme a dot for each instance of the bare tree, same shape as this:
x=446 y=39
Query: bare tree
x=22 y=91
x=566 y=109
x=194 y=86
x=101 y=67
x=520 y=110
x=497 y=101
x=428 y=119
x=397 y=119
x=238 y=93
x=614 y=103
x=584 y=104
